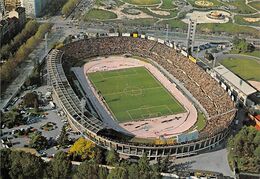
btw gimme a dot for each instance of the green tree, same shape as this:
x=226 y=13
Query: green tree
x=24 y=165
x=118 y=173
x=112 y=157
x=163 y=167
x=38 y=142
x=257 y=139
x=30 y=99
x=143 y=163
x=60 y=166
x=257 y=152
x=100 y=156
x=243 y=148
x=5 y=162
x=63 y=138
x=133 y=171
x=155 y=173
x=102 y=173
x=89 y=169
x=11 y=118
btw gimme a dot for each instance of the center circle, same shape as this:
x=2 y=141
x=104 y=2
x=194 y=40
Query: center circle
x=133 y=91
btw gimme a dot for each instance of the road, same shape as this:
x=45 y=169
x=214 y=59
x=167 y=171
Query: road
x=212 y=161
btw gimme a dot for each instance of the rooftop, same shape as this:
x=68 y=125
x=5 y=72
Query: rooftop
x=233 y=79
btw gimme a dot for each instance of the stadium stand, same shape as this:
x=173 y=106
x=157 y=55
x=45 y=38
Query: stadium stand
x=214 y=99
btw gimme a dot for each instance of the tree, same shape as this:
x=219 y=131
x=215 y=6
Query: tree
x=235 y=40
x=30 y=99
x=82 y=149
x=112 y=157
x=133 y=171
x=11 y=118
x=143 y=163
x=100 y=156
x=163 y=167
x=244 y=148
x=63 y=139
x=102 y=173
x=38 y=142
x=155 y=174
x=60 y=166
x=257 y=139
x=25 y=165
x=5 y=162
x=87 y=168
x=257 y=152
x=118 y=173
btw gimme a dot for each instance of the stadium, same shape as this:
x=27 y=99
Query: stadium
x=137 y=94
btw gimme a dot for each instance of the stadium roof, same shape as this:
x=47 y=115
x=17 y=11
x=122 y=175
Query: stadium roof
x=233 y=79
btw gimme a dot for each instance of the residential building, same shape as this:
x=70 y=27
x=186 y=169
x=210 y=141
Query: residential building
x=34 y=8
x=12 y=25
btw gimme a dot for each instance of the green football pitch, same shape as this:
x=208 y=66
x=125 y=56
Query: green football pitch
x=134 y=94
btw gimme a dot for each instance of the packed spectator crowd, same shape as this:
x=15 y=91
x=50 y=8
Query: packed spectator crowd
x=215 y=100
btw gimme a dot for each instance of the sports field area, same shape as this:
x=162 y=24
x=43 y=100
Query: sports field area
x=248 y=69
x=134 y=94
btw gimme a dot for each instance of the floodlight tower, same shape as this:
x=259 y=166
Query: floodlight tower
x=46 y=42
x=167 y=32
x=191 y=35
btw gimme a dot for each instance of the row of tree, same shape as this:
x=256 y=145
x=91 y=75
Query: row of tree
x=85 y=150
x=69 y=6
x=244 y=149
x=19 y=164
x=29 y=30
x=8 y=70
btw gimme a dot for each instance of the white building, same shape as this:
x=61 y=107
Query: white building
x=237 y=88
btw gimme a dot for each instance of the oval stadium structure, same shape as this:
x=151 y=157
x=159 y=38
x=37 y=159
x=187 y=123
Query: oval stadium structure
x=194 y=83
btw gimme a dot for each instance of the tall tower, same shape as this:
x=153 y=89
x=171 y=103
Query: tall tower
x=191 y=36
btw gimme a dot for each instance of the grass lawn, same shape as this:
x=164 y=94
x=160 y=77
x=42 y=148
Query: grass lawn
x=255 y=53
x=255 y=4
x=173 y=13
x=167 y=4
x=99 y=14
x=142 y=2
x=134 y=22
x=134 y=94
x=175 y=23
x=248 y=69
x=200 y=123
x=241 y=7
x=229 y=28
x=240 y=20
x=215 y=3
x=101 y=2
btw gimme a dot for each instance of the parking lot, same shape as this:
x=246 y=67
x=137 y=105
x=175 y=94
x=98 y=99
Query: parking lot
x=49 y=123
